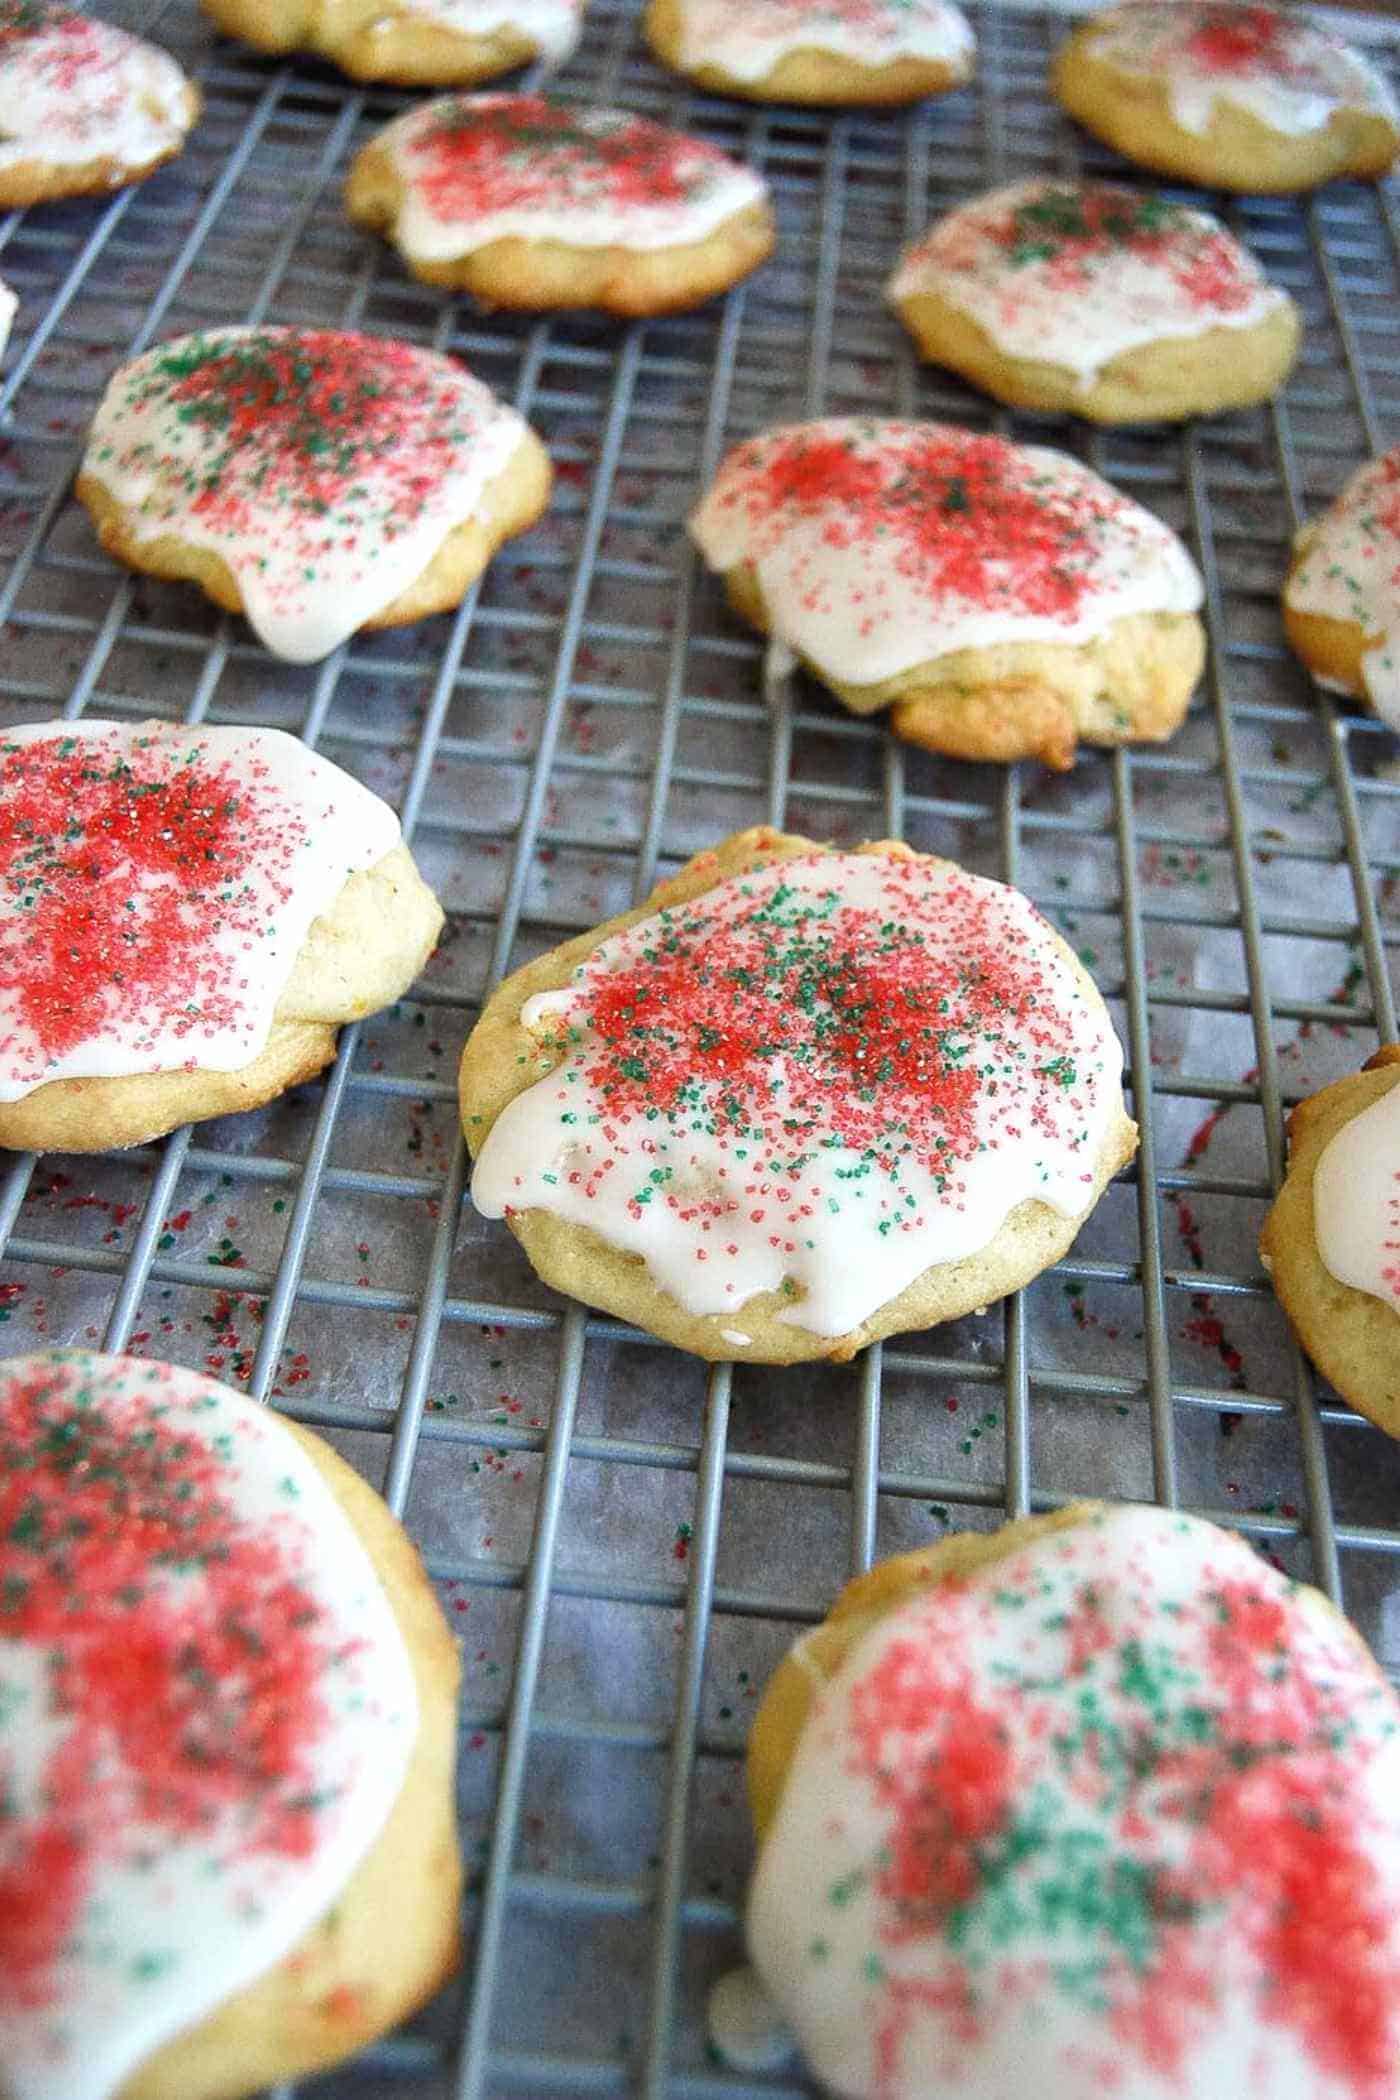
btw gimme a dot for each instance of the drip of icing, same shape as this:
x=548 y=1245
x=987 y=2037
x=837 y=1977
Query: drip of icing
x=881 y=545
x=73 y=89
x=485 y=168
x=9 y=307
x=206 y=1709
x=553 y=25
x=744 y=2024
x=1112 y=1806
x=1278 y=66
x=324 y=469
x=1351 y=572
x=1356 y=1201
x=156 y=886
x=749 y=37
x=1076 y=273
x=823 y=1077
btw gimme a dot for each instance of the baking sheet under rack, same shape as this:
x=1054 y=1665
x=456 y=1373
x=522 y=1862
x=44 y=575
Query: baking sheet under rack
x=625 y=1540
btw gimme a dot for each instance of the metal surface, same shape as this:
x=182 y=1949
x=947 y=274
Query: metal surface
x=591 y=715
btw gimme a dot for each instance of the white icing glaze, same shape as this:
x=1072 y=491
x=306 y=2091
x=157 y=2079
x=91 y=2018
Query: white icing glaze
x=748 y=37
x=1097 y=1820
x=744 y=2024
x=1290 y=73
x=881 y=545
x=324 y=469
x=745 y=1102
x=174 y=968
x=201 y=1744
x=463 y=185
x=1351 y=571
x=554 y=25
x=73 y=89
x=1356 y=1201
x=9 y=307
x=1074 y=274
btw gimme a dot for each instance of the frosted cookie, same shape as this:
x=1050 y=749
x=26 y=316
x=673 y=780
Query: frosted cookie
x=83 y=106
x=1331 y=1243
x=1341 y=599
x=1001 y=598
x=815 y=51
x=319 y=483
x=798 y=1100
x=414 y=43
x=9 y=307
x=1100 y=1794
x=186 y=918
x=227 y=1729
x=1085 y=297
x=1234 y=97
x=535 y=205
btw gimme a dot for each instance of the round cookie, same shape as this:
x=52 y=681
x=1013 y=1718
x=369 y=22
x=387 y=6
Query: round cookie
x=1329 y=1241
x=228 y=1731
x=84 y=107
x=1101 y=1794
x=409 y=43
x=534 y=205
x=320 y=483
x=1232 y=96
x=831 y=53
x=798 y=1100
x=186 y=918
x=1341 y=598
x=1087 y=298
x=1001 y=598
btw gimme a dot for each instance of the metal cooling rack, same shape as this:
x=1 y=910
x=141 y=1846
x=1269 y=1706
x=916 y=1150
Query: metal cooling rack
x=628 y=1540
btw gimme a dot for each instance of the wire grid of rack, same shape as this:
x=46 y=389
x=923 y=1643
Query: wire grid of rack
x=627 y=1539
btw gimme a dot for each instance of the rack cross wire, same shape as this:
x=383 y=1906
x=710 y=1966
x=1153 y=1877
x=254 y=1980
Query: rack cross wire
x=626 y=1539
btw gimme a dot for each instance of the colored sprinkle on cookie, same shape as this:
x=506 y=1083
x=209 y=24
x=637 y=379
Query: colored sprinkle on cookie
x=300 y=415
x=24 y=17
x=1239 y=39
x=840 y=1069
x=154 y=888
x=1063 y=238
x=968 y=517
x=189 y=1650
x=1121 y=1790
x=325 y=469
x=478 y=156
x=117 y=866
x=206 y=1709
x=1248 y=47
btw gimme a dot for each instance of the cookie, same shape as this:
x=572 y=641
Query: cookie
x=186 y=918
x=535 y=205
x=228 y=1854
x=1100 y=1794
x=1329 y=1241
x=1341 y=599
x=1086 y=298
x=799 y=1099
x=1001 y=599
x=320 y=483
x=827 y=52
x=410 y=43
x=1235 y=97
x=84 y=107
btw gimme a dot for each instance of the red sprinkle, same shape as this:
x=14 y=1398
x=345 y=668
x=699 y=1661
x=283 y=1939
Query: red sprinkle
x=117 y=864
x=183 y=1700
